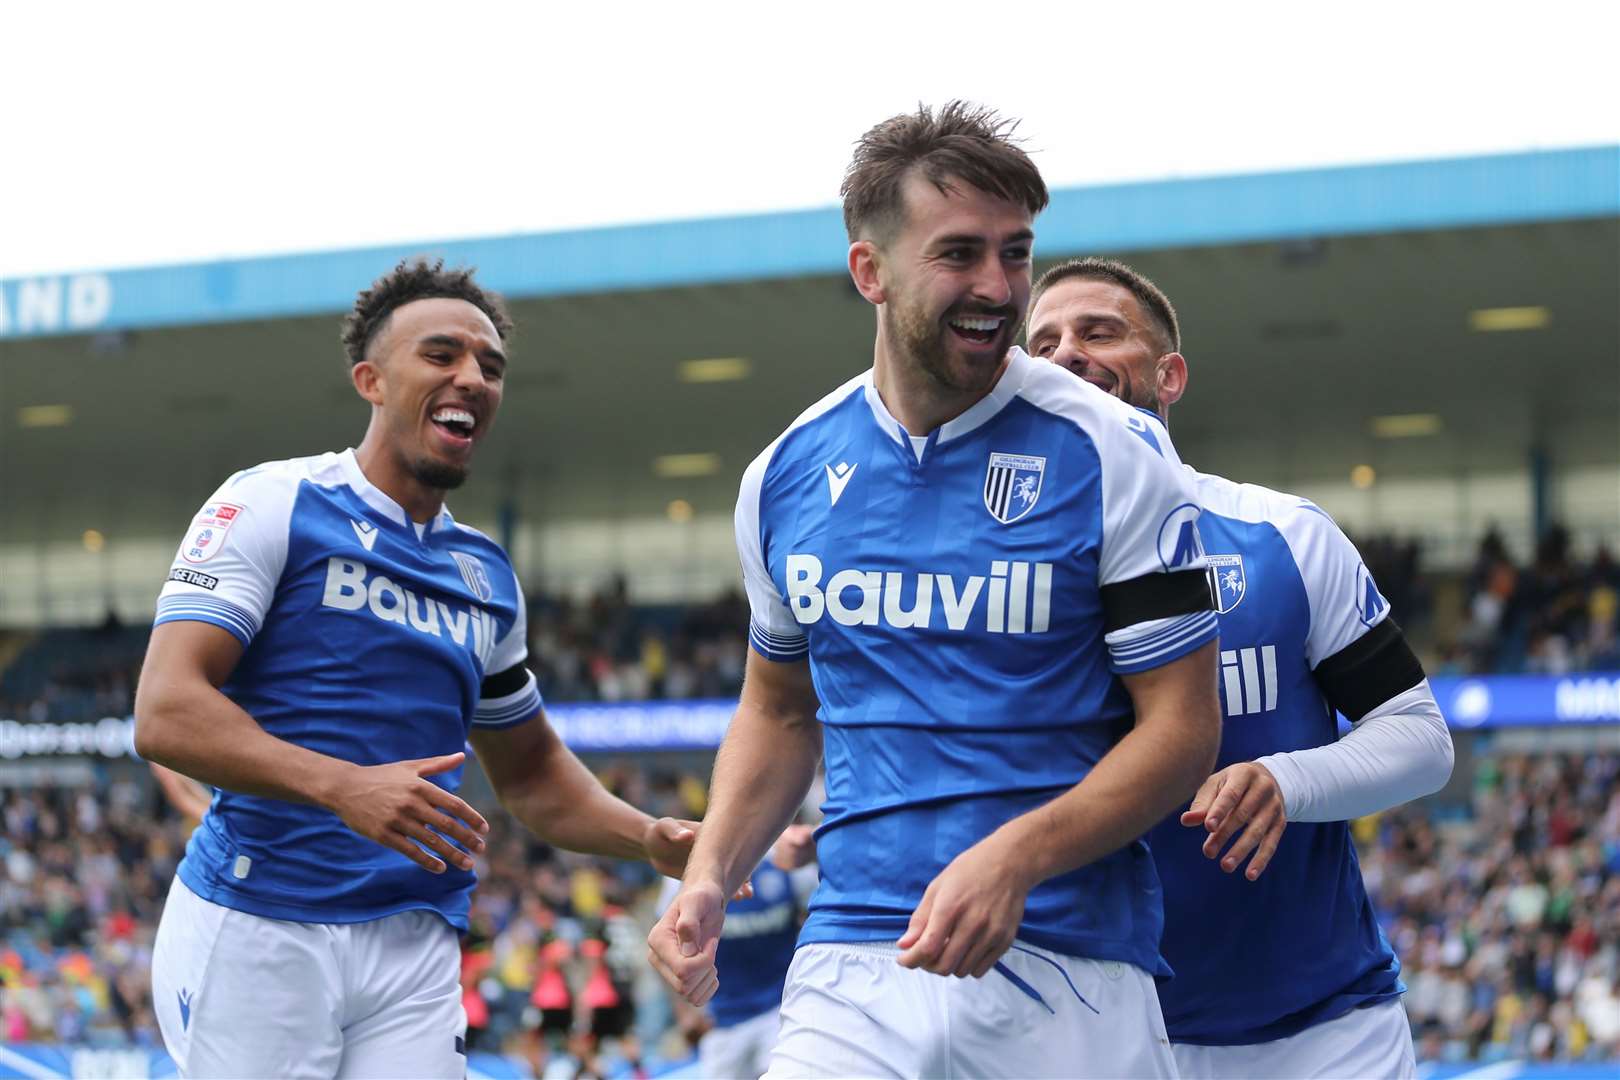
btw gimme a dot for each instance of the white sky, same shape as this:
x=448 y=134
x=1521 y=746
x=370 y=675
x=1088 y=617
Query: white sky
x=136 y=134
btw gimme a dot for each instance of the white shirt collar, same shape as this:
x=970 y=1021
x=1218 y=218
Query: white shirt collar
x=377 y=499
x=1007 y=386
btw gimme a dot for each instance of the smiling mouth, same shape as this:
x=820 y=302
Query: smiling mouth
x=458 y=424
x=977 y=329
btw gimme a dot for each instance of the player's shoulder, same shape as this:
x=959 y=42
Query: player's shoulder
x=1305 y=526
x=272 y=478
x=812 y=427
x=1102 y=417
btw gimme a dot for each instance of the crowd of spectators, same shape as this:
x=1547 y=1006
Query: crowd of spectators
x=1556 y=615
x=1507 y=920
x=1506 y=915
x=609 y=649
x=553 y=967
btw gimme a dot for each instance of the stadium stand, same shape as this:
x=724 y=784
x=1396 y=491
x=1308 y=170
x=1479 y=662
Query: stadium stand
x=1501 y=893
x=1505 y=910
x=1555 y=613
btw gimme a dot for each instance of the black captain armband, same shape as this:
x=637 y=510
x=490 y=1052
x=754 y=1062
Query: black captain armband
x=1155 y=596
x=1369 y=671
x=504 y=683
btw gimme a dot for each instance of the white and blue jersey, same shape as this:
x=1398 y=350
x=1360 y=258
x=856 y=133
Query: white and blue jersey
x=966 y=602
x=365 y=638
x=1304 y=631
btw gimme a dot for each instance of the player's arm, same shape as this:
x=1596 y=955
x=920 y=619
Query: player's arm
x=189 y=798
x=184 y=722
x=970 y=913
x=1398 y=748
x=761 y=774
x=1395 y=751
x=542 y=784
x=1159 y=632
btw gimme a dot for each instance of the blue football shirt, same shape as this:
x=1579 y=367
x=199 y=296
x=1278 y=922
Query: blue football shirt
x=967 y=602
x=1260 y=960
x=363 y=639
x=756 y=947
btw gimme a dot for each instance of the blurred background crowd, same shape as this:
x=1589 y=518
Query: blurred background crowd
x=1504 y=908
x=1501 y=894
x=1554 y=613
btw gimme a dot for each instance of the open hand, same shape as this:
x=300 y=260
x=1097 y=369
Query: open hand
x=1242 y=798
x=399 y=808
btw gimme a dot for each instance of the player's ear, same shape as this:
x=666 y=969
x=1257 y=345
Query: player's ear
x=367 y=378
x=864 y=258
x=1172 y=376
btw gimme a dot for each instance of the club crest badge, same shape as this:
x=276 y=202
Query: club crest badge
x=1227 y=581
x=472 y=572
x=1012 y=485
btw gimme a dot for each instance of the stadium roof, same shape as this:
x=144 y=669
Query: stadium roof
x=1311 y=303
x=1446 y=194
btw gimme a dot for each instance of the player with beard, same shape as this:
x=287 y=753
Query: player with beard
x=1280 y=970
x=328 y=641
x=979 y=571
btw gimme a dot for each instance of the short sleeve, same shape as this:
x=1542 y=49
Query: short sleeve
x=230 y=562
x=772 y=629
x=1344 y=598
x=510 y=693
x=1156 y=601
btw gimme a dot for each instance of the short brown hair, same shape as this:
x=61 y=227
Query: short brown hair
x=1150 y=296
x=962 y=141
x=411 y=280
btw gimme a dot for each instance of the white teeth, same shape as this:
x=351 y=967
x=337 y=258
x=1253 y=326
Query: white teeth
x=454 y=416
x=981 y=325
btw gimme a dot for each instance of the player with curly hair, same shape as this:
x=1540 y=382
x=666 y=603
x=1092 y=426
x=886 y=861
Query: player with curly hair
x=328 y=641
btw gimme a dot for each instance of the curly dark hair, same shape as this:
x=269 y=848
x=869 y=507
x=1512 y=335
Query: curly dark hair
x=962 y=141
x=415 y=279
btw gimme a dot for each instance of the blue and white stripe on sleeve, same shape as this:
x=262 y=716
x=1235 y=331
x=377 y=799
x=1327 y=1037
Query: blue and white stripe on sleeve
x=191 y=607
x=1154 y=643
x=780 y=647
x=509 y=710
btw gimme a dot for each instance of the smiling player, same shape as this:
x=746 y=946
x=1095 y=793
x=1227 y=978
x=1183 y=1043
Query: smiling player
x=991 y=586
x=1281 y=970
x=328 y=641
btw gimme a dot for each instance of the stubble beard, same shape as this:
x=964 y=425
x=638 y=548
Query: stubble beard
x=922 y=341
x=437 y=475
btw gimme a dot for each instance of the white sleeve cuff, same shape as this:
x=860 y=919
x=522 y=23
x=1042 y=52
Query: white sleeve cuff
x=1398 y=752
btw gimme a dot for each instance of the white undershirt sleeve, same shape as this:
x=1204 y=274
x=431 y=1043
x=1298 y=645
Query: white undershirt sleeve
x=1398 y=752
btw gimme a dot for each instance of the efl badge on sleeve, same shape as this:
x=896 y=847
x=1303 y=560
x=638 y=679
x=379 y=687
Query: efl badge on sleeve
x=208 y=531
x=472 y=572
x=1012 y=484
x=1228 y=581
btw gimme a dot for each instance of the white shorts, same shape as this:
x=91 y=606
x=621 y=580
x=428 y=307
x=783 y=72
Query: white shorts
x=1372 y=1043
x=240 y=995
x=740 y=1051
x=852 y=1010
